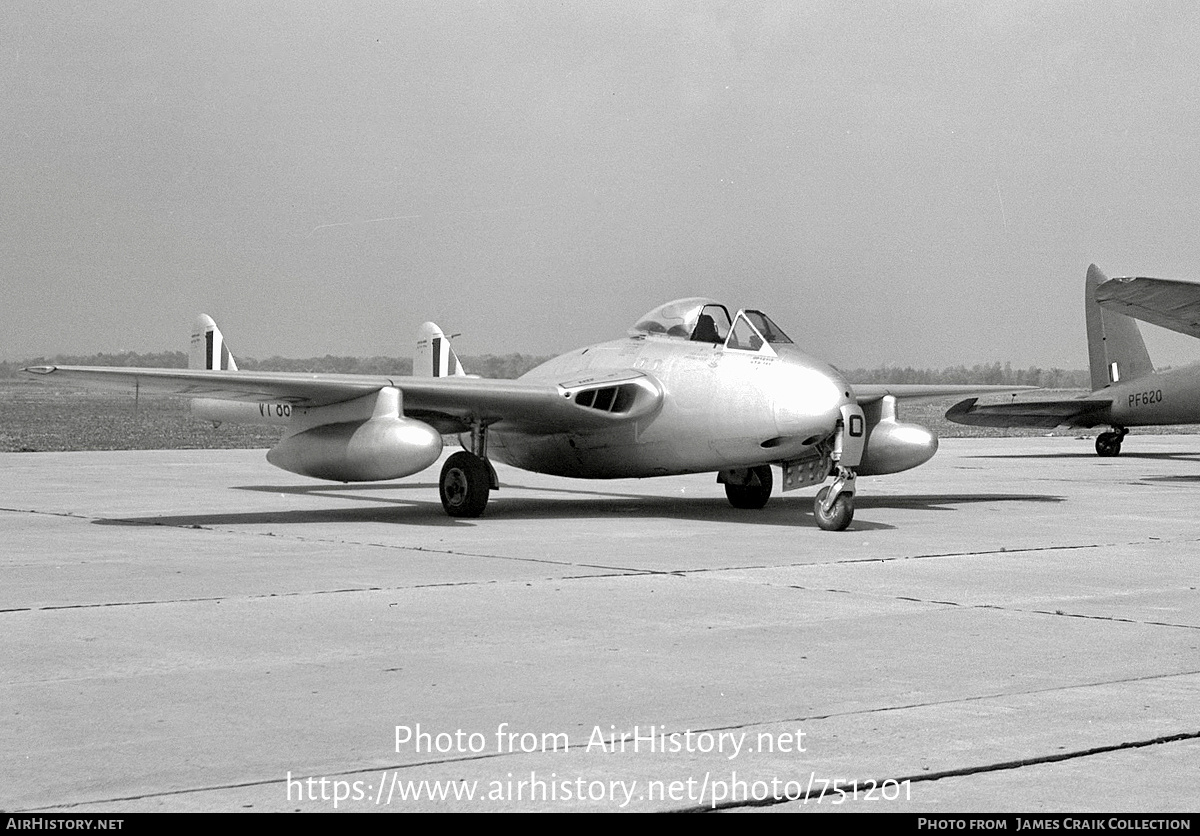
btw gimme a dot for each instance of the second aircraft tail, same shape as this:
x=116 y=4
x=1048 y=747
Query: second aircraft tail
x=1116 y=350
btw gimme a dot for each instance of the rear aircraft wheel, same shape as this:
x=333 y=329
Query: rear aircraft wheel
x=1108 y=444
x=752 y=496
x=465 y=485
x=836 y=518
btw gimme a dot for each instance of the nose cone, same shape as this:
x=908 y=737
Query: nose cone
x=809 y=400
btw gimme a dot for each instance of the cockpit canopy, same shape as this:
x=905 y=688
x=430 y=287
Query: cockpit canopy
x=700 y=319
x=679 y=318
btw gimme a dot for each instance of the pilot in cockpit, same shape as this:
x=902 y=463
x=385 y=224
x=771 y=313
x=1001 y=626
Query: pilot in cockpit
x=706 y=330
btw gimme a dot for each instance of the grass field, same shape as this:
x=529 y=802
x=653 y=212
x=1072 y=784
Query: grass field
x=43 y=417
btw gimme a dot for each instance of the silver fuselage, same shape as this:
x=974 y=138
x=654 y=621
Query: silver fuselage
x=721 y=408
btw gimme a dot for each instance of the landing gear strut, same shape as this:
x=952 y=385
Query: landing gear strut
x=468 y=478
x=834 y=505
x=1109 y=443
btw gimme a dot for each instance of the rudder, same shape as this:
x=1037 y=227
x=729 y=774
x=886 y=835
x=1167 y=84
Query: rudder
x=434 y=357
x=208 y=349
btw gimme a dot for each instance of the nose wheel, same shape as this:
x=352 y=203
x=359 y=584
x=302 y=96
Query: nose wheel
x=834 y=505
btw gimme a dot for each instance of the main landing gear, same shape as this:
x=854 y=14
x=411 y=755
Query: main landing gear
x=468 y=478
x=1109 y=443
x=465 y=485
x=750 y=488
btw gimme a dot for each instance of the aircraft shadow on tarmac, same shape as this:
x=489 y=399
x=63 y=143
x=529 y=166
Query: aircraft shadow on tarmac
x=572 y=503
x=1190 y=480
x=944 y=502
x=1091 y=456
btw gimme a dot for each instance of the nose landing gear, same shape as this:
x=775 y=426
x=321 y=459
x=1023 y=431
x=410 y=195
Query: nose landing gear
x=834 y=505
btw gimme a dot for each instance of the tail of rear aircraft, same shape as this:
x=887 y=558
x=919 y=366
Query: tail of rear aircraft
x=434 y=357
x=208 y=349
x=1116 y=350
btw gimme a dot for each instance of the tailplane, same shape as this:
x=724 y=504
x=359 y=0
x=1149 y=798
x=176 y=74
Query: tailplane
x=1116 y=350
x=434 y=357
x=208 y=349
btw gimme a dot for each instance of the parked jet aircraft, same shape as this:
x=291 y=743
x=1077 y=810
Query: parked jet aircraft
x=690 y=389
x=1127 y=392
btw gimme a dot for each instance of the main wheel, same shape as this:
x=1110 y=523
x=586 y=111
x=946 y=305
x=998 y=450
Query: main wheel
x=1108 y=444
x=752 y=496
x=465 y=485
x=839 y=516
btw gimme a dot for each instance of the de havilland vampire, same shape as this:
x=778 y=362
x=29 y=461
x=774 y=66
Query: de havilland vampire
x=1127 y=391
x=690 y=389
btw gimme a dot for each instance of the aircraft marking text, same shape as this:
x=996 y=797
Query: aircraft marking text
x=1146 y=398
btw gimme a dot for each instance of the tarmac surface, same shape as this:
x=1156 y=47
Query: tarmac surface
x=1013 y=627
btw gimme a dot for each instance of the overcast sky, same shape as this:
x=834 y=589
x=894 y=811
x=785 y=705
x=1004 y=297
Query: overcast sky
x=913 y=183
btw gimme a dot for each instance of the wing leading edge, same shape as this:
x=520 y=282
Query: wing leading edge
x=450 y=404
x=869 y=392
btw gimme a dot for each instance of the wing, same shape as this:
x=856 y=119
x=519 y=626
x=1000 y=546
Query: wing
x=1163 y=302
x=1048 y=414
x=868 y=392
x=450 y=404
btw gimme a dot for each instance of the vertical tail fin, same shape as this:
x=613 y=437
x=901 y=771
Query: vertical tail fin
x=434 y=357
x=208 y=348
x=1116 y=350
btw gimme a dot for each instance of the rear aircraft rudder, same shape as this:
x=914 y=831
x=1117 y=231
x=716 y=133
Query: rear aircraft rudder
x=434 y=357
x=1116 y=351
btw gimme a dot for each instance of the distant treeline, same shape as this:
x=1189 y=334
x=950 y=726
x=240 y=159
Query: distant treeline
x=994 y=373
x=515 y=365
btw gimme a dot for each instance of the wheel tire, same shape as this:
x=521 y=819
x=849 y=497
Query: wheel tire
x=1108 y=444
x=752 y=496
x=465 y=485
x=839 y=516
